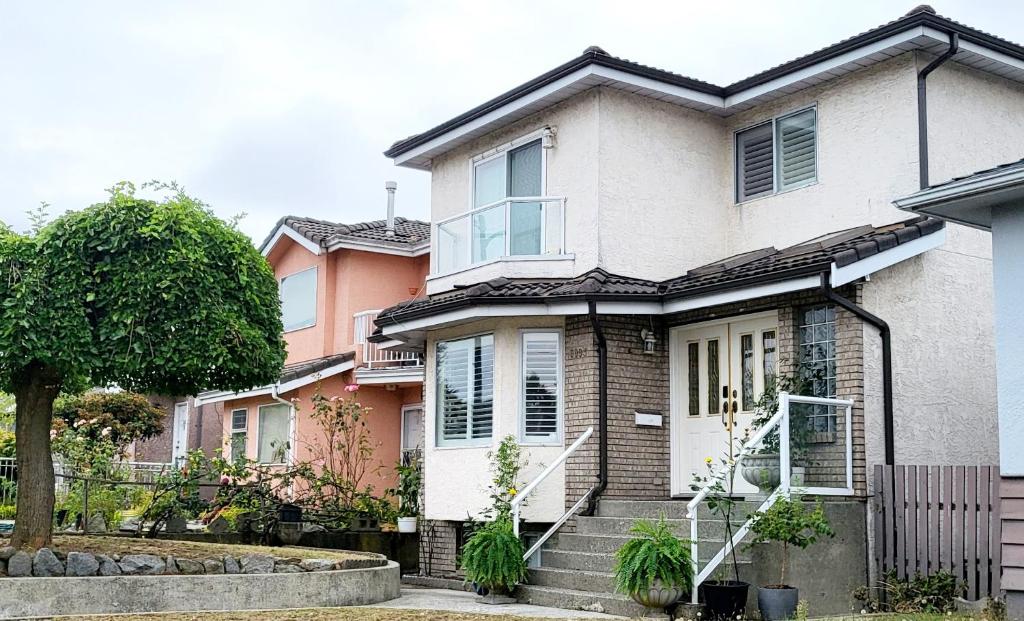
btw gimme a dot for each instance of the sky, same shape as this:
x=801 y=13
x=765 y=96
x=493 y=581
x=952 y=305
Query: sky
x=278 y=108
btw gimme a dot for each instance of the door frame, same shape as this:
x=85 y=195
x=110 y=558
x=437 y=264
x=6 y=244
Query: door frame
x=676 y=401
x=174 y=432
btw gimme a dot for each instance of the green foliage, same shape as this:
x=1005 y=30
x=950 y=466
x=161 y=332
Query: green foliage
x=7 y=444
x=653 y=553
x=767 y=405
x=105 y=499
x=935 y=593
x=100 y=418
x=720 y=481
x=6 y=411
x=7 y=512
x=410 y=479
x=493 y=557
x=506 y=464
x=789 y=523
x=154 y=296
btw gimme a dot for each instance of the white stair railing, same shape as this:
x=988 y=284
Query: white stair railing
x=520 y=498
x=781 y=421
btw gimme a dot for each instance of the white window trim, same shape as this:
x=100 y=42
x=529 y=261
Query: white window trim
x=259 y=435
x=316 y=301
x=468 y=442
x=775 y=168
x=233 y=432
x=557 y=440
x=401 y=430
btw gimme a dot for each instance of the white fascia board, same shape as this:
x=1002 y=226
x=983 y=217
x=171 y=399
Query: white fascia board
x=986 y=182
x=739 y=295
x=305 y=380
x=390 y=344
x=877 y=262
x=486 y=311
x=389 y=376
x=991 y=54
x=219 y=396
x=414 y=251
x=823 y=66
x=286 y=231
x=658 y=86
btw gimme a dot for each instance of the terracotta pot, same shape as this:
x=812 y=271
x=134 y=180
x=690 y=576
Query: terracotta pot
x=658 y=596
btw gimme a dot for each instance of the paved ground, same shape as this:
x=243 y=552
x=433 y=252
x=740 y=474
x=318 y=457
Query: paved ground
x=461 y=601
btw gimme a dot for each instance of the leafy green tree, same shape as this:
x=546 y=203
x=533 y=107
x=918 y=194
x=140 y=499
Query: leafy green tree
x=154 y=296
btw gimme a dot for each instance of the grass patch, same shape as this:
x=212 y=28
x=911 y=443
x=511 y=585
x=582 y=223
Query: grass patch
x=98 y=544
x=313 y=614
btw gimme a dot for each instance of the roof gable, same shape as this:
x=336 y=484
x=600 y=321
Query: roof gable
x=411 y=237
x=921 y=29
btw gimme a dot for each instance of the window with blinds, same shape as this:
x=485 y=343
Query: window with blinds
x=777 y=155
x=465 y=390
x=541 y=386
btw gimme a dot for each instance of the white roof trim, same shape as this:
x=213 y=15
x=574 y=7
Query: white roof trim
x=887 y=258
x=394 y=375
x=368 y=246
x=286 y=231
x=739 y=295
x=975 y=184
x=218 y=396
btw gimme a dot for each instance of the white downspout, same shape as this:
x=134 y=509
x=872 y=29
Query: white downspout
x=289 y=459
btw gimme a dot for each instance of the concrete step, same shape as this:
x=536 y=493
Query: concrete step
x=571 y=599
x=671 y=509
x=590 y=581
x=581 y=561
x=619 y=526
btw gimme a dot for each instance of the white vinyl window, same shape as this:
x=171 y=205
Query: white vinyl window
x=239 y=432
x=465 y=390
x=298 y=300
x=778 y=155
x=273 y=433
x=541 y=386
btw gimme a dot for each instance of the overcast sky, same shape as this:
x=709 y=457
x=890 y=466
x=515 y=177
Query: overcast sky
x=275 y=108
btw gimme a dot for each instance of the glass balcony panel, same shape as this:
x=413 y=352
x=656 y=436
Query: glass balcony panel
x=553 y=228
x=489 y=234
x=526 y=221
x=452 y=245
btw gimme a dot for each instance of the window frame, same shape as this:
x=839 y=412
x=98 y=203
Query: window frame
x=774 y=121
x=288 y=434
x=244 y=431
x=401 y=431
x=558 y=438
x=441 y=442
x=831 y=419
x=316 y=301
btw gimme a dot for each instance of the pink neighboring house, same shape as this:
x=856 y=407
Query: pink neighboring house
x=334 y=278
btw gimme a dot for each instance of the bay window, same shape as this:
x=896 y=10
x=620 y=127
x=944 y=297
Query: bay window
x=465 y=390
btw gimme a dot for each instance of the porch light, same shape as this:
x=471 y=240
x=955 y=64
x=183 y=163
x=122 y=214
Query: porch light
x=650 y=340
x=547 y=138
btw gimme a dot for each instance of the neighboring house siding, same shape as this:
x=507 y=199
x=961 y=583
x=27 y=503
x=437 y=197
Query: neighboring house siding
x=289 y=258
x=204 y=431
x=158 y=448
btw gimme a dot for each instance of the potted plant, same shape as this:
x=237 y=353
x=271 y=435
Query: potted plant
x=493 y=559
x=654 y=566
x=724 y=598
x=410 y=478
x=762 y=466
x=789 y=523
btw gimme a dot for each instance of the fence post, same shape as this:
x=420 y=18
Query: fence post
x=784 y=467
x=85 y=506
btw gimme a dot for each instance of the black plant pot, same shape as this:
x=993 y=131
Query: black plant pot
x=777 y=603
x=725 y=599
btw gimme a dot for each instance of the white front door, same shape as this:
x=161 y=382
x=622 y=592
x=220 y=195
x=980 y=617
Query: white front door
x=179 y=441
x=718 y=373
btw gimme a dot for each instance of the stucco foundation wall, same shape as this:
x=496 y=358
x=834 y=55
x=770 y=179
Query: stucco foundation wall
x=939 y=309
x=457 y=477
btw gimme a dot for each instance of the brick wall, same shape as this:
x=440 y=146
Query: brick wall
x=438 y=548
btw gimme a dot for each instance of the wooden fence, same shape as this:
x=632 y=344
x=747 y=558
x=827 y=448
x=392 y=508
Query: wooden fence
x=931 y=518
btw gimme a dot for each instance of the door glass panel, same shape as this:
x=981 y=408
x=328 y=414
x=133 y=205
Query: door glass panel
x=713 y=378
x=489 y=182
x=489 y=234
x=693 y=378
x=747 y=357
x=768 y=347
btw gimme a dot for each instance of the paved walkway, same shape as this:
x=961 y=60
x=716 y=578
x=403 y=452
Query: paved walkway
x=462 y=601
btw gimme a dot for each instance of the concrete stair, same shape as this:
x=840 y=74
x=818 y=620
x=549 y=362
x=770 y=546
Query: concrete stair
x=576 y=568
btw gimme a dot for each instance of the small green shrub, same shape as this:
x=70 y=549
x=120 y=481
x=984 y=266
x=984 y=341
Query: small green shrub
x=935 y=594
x=493 y=557
x=654 y=553
x=789 y=523
x=6 y=444
x=7 y=512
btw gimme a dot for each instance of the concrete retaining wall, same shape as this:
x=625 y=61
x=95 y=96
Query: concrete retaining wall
x=44 y=597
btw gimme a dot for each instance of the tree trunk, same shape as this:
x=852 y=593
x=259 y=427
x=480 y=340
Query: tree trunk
x=34 y=396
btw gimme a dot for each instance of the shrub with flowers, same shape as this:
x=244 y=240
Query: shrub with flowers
x=95 y=428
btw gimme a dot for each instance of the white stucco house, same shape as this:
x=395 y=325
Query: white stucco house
x=623 y=248
x=993 y=200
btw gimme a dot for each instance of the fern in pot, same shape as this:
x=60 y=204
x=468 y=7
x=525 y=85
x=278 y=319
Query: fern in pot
x=493 y=559
x=654 y=567
x=789 y=523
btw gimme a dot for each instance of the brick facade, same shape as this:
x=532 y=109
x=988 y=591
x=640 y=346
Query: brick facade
x=438 y=548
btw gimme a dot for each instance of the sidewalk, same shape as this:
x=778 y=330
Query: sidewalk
x=416 y=598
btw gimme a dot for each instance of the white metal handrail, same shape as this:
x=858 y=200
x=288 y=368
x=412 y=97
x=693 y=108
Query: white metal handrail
x=520 y=497
x=781 y=420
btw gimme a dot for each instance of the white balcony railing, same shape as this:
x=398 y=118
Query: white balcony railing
x=373 y=356
x=531 y=226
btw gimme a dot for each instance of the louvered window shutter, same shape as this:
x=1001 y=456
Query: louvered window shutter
x=755 y=175
x=797 y=142
x=465 y=388
x=542 y=359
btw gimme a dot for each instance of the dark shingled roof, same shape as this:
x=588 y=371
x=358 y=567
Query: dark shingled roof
x=301 y=369
x=751 y=268
x=922 y=15
x=408 y=233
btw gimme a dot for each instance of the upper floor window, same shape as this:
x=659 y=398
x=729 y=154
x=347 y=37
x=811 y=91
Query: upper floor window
x=776 y=156
x=509 y=214
x=465 y=390
x=298 y=300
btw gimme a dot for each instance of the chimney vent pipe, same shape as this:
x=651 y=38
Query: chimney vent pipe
x=391 y=186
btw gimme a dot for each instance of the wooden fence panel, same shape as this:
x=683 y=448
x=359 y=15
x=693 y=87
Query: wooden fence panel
x=931 y=518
